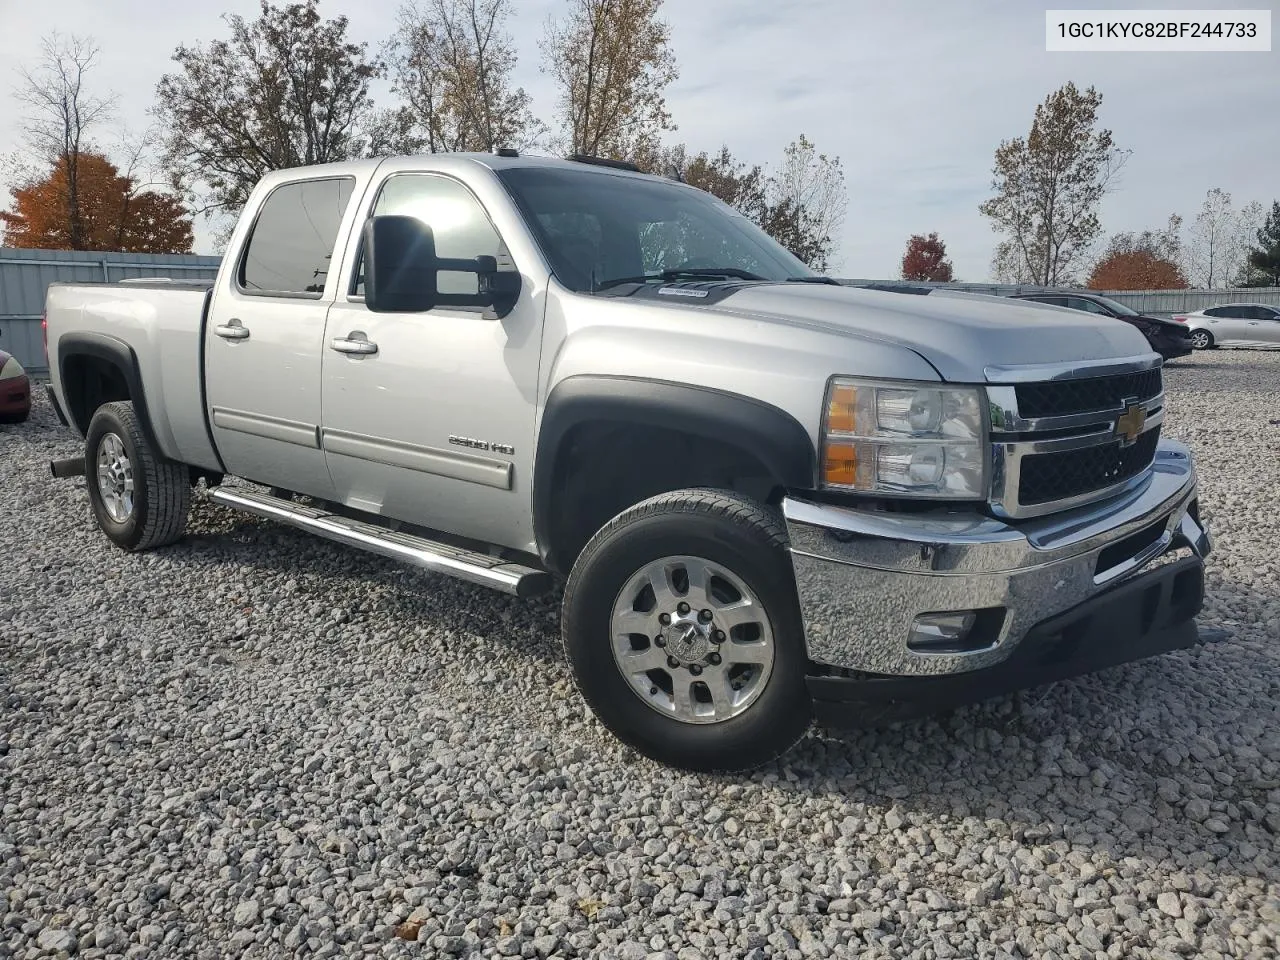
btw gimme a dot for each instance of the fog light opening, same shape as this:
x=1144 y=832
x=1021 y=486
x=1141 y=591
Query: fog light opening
x=956 y=631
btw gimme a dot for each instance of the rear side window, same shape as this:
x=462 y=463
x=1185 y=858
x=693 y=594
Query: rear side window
x=292 y=243
x=1218 y=312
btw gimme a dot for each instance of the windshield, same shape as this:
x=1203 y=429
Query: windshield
x=1117 y=307
x=597 y=227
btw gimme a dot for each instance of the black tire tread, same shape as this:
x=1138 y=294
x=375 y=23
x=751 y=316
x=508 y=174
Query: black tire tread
x=168 y=486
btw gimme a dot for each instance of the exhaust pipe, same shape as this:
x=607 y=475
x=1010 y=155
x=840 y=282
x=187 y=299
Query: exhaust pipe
x=71 y=467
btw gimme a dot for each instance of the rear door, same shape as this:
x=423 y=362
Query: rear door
x=265 y=334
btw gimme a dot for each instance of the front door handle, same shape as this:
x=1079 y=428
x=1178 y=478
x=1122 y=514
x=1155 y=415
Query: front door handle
x=232 y=330
x=355 y=343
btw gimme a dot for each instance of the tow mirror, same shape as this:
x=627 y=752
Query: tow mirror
x=399 y=265
x=402 y=271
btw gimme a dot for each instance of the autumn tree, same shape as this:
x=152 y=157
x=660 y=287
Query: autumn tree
x=926 y=259
x=1136 y=270
x=284 y=90
x=611 y=63
x=1048 y=186
x=1142 y=260
x=62 y=114
x=114 y=212
x=451 y=63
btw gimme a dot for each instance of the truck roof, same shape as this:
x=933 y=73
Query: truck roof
x=491 y=160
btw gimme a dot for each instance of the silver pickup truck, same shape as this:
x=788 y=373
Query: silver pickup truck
x=774 y=498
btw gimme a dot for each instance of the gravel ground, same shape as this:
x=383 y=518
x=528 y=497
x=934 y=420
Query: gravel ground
x=257 y=743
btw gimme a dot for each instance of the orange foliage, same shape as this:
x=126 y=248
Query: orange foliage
x=1136 y=270
x=115 y=215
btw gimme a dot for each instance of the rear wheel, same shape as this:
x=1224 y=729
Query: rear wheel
x=139 y=498
x=683 y=629
x=1201 y=339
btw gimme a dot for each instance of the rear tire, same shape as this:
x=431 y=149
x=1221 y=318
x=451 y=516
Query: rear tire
x=721 y=692
x=1202 y=339
x=139 y=498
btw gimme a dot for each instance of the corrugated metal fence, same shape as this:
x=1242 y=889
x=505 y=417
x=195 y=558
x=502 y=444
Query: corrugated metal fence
x=1158 y=302
x=25 y=275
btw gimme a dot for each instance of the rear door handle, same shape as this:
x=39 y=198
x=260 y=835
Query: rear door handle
x=232 y=330
x=354 y=343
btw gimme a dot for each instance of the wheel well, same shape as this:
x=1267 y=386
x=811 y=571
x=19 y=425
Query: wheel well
x=87 y=383
x=603 y=467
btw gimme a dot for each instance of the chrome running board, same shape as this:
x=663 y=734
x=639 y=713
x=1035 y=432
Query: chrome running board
x=494 y=572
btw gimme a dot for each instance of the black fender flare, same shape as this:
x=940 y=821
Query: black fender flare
x=119 y=355
x=769 y=434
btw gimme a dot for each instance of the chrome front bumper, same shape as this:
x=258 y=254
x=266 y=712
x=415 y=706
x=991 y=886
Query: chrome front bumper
x=864 y=576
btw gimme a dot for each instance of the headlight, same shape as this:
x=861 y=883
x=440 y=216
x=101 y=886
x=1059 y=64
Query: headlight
x=11 y=368
x=904 y=439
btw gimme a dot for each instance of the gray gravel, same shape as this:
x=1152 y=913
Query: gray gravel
x=256 y=743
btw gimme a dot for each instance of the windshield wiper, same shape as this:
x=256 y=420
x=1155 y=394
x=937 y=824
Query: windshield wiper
x=732 y=272
x=827 y=280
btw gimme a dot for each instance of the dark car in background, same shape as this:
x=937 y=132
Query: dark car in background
x=15 y=390
x=1167 y=337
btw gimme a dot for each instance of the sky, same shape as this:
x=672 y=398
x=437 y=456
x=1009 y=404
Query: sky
x=912 y=96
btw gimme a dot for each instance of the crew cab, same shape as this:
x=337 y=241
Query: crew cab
x=771 y=497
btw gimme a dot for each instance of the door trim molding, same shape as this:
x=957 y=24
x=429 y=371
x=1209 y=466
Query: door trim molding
x=272 y=428
x=467 y=467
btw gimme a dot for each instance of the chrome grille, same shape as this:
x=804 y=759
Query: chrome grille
x=1060 y=397
x=1063 y=438
x=1047 y=477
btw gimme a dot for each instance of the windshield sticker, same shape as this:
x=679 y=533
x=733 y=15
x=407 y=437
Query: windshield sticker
x=680 y=292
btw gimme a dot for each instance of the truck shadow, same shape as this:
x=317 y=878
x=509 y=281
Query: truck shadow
x=1037 y=762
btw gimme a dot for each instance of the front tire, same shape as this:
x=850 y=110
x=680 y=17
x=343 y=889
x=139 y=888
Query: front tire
x=139 y=498
x=682 y=626
x=1202 y=339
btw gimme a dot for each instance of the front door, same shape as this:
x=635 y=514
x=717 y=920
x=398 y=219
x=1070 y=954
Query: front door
x=264 y=339
x=435 y=428
x=1263 y=327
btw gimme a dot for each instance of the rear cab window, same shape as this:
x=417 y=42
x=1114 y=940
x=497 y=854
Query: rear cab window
x=291 y=246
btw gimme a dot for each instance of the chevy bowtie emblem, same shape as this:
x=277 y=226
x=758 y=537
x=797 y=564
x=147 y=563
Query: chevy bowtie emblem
x=1129 y=424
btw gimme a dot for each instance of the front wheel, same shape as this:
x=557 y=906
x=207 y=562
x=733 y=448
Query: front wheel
x=139 y=498
x=1201 y=339
x=683 y=630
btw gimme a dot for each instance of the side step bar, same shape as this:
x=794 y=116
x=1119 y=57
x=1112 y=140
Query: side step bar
x=494 y=572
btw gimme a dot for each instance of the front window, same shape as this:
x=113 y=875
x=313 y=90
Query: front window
x=598 y=227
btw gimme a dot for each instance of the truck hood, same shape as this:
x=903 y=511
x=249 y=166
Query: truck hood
x=959 y=334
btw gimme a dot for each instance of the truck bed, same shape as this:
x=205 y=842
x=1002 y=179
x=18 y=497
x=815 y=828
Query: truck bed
x=162 y=324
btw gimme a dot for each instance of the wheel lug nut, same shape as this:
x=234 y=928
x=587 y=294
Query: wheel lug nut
x=714 y=659
x=664 y=618
x=659 y=641
x=673 y=663
x=695 y=669
x=718 y=636
x=682 y=607
x=705 y=616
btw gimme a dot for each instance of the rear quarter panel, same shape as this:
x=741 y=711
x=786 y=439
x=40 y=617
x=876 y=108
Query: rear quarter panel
x=163 y=328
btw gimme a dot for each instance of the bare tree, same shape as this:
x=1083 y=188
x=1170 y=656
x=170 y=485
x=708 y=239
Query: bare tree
x=63 y=113
x=612 y=62
x=810 y=186
x=1048 y=187
x=452 y=61
x=286 y=89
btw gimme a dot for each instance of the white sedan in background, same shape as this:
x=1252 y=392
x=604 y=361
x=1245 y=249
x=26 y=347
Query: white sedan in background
x=1234 y=325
